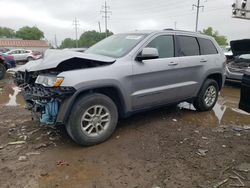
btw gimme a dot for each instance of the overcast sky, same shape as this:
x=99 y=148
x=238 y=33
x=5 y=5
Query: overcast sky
x=56 y=16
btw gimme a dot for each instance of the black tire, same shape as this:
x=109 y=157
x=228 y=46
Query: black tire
x=30 y=59
x=200 y=103
x=2 y=71
x=82 y=105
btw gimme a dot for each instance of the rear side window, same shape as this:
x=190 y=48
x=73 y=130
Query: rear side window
x=164 y=44
x=207 y=47
x=188 y=46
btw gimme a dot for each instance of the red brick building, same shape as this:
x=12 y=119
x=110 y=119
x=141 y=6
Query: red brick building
x=37 y=45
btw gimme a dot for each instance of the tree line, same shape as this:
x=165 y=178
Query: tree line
x=26 y=33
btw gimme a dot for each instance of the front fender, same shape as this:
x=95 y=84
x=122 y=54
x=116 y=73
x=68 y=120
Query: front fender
x=67 y=104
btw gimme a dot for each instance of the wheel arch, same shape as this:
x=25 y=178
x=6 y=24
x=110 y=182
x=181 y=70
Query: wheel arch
x=217 y=77
x=109 y=90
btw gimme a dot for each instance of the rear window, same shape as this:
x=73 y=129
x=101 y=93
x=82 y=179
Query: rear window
x=207 y=47
x=188 y=46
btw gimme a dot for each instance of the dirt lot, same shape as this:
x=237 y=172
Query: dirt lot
x=171 y=147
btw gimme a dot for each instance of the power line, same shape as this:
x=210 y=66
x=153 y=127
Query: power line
x=76 y=25
x=198 y=6
x=106 y=12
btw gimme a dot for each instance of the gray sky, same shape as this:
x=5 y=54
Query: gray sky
x=56 y=16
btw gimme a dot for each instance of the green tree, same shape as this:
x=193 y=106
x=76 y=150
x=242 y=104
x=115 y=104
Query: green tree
x=6 y=32
x=30 y=33
x=68 y=43
x=89 y=38
x=222 y=40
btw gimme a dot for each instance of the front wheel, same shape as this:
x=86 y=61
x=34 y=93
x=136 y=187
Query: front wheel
x=207 y=96
x=2 y=71
x=93 y=119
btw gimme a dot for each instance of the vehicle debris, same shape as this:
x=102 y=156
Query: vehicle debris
x=33 y=153
x=41 y=146
x=237 y=174
x=240 y=181
x=16 y=143
x=244 y=167
x=204 y=138
x=202 y=152
x=62 y=163
x=241 y=128
x=220 y=183
x=22 y=158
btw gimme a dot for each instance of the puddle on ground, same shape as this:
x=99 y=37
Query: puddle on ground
x=225 y=112
x=10 y=94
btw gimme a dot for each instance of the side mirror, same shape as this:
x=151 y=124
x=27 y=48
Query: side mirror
x=148 y=53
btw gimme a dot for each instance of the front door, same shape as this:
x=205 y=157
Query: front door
x=155 y=81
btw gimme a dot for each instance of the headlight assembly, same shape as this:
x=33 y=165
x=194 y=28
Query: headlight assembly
x=49 y=80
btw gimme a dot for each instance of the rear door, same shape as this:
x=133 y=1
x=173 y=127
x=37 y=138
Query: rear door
x=191 y=67
x=24 y=55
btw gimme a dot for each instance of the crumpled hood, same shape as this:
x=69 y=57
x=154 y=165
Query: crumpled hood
x=240 y=47
x=52 y=58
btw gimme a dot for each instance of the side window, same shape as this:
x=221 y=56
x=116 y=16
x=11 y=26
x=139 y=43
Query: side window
x=14 y=52
x=207 y=47
x=164 y=44
x=188 y=46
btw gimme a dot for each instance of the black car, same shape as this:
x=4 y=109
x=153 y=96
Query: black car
x=245 y=92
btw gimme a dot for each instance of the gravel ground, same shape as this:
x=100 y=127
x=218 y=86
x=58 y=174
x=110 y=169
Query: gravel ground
x=169 y=147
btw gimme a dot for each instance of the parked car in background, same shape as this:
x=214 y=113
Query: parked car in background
x=119 y=76
x=24 y=55
x=6 y=62
x=240 y=62
x=4 y=50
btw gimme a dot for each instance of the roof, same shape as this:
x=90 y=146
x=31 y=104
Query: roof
x=22 y=43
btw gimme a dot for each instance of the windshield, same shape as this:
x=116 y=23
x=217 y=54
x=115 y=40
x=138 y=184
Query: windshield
x=116 y=45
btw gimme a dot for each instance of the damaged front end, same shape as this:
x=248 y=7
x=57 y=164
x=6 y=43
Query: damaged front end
x=43 y=94
x=40 y=81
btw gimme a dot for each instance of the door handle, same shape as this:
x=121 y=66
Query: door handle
x=203 y=61
x=172 y=64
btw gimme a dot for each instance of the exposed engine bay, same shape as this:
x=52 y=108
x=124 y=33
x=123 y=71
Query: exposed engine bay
x=239 y=63
x=40 y=83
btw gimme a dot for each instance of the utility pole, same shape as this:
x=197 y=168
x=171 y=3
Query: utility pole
x=55 y=41
x=198 y=6
x=106 y=12
x=99 y=25
x=76 y=25
x=175 y=25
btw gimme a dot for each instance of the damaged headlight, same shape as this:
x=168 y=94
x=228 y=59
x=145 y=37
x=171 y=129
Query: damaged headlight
x=49 y=80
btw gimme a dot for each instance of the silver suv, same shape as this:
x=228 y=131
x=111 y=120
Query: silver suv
x=119 y=76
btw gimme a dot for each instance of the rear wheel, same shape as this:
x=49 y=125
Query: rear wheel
x=207 y=96
x=30 y=59
x=2 y=71
x=93 y=119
